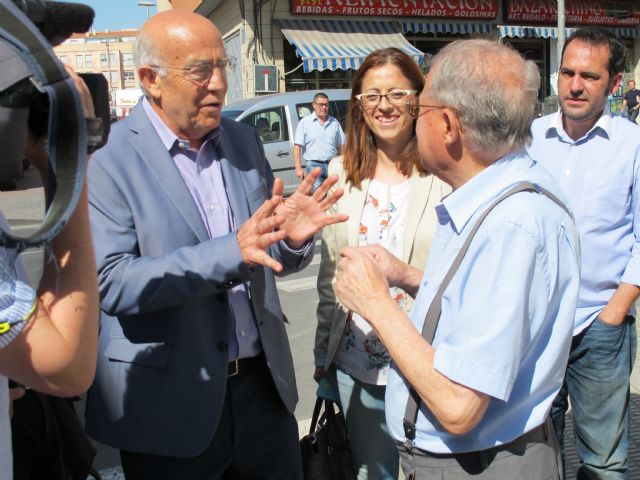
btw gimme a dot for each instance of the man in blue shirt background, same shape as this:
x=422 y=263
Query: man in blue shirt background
x=487 y=381
x=595 y=158
x=630 y=101
x=319 y=138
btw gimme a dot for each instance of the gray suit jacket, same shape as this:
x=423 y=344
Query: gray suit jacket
x=165 y=318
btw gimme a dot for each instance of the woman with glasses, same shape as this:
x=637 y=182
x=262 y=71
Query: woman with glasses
x=390 y=201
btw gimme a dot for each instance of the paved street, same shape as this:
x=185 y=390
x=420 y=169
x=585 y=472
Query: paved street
x=298 y=295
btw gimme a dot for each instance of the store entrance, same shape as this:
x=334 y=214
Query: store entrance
x=536 y=50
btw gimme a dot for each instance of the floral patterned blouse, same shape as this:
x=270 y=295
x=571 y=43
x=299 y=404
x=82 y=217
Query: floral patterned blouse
x=361 y=353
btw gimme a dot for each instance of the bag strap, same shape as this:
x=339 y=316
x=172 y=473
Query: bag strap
x=433 y=313
x=316 y=415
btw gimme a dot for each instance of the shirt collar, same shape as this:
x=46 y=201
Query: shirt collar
x=316 y=119
x=603 y=124
x=484 y=187
x=169 y=139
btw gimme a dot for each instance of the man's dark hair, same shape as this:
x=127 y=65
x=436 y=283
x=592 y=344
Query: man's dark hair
x=597 y=36
x=319 y=95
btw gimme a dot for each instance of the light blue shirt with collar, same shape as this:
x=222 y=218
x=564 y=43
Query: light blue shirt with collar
x=599 y=174
x=318 y=141
x=507 y=315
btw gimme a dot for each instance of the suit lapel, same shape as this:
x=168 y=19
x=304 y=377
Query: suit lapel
x=163 y=168
x=420 y=190
x=234 y=181
x=357 y=197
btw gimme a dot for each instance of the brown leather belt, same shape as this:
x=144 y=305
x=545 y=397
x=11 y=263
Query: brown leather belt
x=243 y=365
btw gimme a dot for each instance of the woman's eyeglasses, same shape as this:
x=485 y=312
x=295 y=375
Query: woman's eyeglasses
x=394 y=97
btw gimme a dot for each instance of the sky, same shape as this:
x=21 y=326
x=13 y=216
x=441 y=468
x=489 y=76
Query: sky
x=117 y=14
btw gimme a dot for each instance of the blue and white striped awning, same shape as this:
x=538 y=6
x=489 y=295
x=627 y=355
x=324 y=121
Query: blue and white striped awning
x=531 y=32
x=342 y=44
x=626 y=32
x=446 y=27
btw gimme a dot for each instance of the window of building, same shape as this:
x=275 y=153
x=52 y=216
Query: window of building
x=128 y=75
x=64 y=59
x=79 y=61
x=107 y=61
x=88 y=61
x=127 y=59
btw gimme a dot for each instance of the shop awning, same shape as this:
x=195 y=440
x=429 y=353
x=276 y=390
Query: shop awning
x=626 y=32
x=531 y=32
x=446 y=27
x=552 y=32
x=341 y=44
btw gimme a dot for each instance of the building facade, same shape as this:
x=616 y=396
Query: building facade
x=109 y=53
x=287 y=45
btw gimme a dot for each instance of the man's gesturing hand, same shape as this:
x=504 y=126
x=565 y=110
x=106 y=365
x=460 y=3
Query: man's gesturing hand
x=305 y=212
x=257 y=234
x=360 y=285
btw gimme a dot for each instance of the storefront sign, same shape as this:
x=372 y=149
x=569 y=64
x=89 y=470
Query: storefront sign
x=468 y=9
x=577 y=12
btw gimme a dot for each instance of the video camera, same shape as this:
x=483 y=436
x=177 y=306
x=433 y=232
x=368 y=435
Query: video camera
x=38 y=97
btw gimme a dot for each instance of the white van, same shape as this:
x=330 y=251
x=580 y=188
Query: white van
x=277 y=116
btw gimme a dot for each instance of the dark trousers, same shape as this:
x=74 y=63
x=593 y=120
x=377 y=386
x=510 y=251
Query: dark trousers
x=257 y=438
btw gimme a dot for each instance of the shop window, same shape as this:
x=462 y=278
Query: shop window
x=88 y=61
x=538 y=52
x=79 y=61
x=128 y=75
x=271 y=125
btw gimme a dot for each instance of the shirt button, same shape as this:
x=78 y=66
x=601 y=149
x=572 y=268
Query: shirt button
x=212 y=207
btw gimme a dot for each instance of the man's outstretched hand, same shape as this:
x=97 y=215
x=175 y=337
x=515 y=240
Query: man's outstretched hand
x=305 y=213
x=260 y=231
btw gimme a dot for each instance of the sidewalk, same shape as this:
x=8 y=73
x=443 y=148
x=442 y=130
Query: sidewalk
x=634 y=444
x=571 y=456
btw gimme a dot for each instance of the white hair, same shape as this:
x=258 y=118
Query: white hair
x=145 y=52
x=493 y=90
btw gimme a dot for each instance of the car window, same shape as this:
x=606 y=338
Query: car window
x=270 y=123
x=337 y=109
x=232 y=114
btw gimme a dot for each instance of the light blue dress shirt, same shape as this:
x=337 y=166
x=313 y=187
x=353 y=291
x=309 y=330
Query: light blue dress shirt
x=319 y=142
x=507 y=315
x=599 y=174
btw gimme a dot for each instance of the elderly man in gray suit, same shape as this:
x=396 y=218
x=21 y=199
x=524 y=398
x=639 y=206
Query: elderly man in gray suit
x=195 y=377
